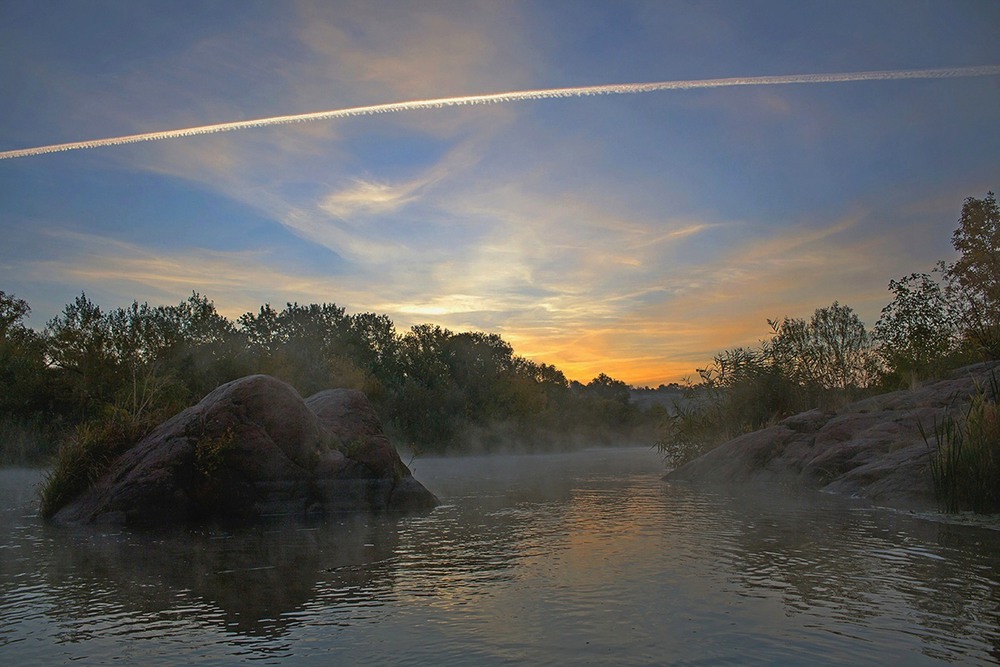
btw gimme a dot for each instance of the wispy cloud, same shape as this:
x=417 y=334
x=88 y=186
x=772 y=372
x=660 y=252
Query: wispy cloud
x=367 y=197
x=236 y=280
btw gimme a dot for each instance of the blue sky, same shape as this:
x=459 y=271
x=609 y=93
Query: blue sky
x=635 y=235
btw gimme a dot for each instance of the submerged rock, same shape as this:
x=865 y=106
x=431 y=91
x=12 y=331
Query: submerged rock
x=251 y=448
x=872 y=449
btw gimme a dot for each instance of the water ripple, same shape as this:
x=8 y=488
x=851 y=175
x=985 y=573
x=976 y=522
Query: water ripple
x=543 y=560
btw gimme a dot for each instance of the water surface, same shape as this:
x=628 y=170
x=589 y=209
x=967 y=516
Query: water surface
x=547 y=559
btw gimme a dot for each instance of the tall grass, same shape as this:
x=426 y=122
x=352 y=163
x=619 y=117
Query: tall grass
x=86 y=454
x=88 y=451
x=965 y=464
x=29 y=442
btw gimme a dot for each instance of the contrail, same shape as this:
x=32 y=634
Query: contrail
x=514 y=96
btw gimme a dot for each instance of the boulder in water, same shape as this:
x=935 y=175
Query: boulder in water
x=252 y=448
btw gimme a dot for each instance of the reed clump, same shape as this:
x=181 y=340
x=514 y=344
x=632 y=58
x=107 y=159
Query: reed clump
x=965 y=463
x=86 y=454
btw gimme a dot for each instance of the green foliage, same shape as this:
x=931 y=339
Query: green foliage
x=139 y=400
x=916 y=331
x=438 y=390
x=965 y=460
x=318 y=346
x=435 y=390
x=975 y=275
x=210 y=451
x=741 y=391
x=80 y=349
x=690 y=431
x=23 y=364
x=87 y=453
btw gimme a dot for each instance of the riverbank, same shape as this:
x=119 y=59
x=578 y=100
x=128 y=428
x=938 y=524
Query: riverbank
x=872 y=449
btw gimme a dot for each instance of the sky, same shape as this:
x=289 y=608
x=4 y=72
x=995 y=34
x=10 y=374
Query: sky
x=636 y=235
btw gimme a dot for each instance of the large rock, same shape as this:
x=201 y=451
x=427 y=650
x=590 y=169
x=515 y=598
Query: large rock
x=872 y=449
x=254 y=448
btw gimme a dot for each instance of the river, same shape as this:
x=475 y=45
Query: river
x=563 y=559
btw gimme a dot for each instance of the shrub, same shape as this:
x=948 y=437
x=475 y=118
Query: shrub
x=688 y=432
x=89 y=449
x=85 y=455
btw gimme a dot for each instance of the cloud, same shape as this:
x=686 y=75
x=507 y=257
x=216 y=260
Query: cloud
x=416 y=51
x=236 y=280
x=367 y=197
x=688 y=312
x=663 y=322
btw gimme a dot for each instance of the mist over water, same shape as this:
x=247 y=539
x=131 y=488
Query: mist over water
x=536 y=559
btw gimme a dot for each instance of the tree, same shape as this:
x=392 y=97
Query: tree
x=428 y=408
x=374 y=346
x=747 y=389
x=261 y=331
x=976 y=274
x=12 y=312
x=79 y=346
x=480 y=365
x=917 y=330
x=22 y=360
x=200 y=344
x=606 y=387
x=304 y=345
x=833 y=350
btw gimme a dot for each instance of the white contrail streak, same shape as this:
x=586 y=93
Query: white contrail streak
x=513 y=96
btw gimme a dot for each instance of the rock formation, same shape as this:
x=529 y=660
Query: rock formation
x=254 y=448
x=872 y=449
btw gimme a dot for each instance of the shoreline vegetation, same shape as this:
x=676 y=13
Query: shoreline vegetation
x=879 y=449
x=93 y=376
x=965 y=454
x=94 y=382
x=939 y=321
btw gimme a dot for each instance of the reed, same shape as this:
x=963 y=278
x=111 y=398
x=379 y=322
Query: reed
x=965 y=456
x=87 y=453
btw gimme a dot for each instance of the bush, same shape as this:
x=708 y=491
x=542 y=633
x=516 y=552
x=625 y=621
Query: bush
x=965 y=464
x=825 y=362
x=89 y=450
x=690 y=431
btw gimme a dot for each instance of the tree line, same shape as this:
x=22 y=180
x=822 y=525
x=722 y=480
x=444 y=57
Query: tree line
x=936 y=321
x=125 y=370
x=115 y=374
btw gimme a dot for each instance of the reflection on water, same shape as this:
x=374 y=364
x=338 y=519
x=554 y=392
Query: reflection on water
x=559 y=559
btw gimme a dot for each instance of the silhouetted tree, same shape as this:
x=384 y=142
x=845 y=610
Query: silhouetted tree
x=976 y=274
x=917 y=329
x=79 y=346
x=428 y=408
x=120 y=371
x=833 y=350
x=202 y=346
x=22 y=361
x=374 y=346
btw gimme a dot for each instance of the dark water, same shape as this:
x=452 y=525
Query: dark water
x=584 y=558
